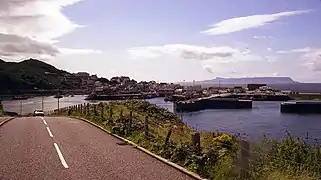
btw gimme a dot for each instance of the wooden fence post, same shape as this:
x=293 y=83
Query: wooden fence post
x=121 y=117
x=244 y=159
x=95 y=110
x=146 y=126
x=196 y=140
x=88 y=108
x=110 y=114
x=168 y=134
x=130 y=120
x=102 y=112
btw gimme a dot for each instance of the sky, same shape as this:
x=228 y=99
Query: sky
x=167 y=40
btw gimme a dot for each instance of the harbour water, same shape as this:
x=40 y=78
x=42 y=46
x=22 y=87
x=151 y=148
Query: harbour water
x=263 y=118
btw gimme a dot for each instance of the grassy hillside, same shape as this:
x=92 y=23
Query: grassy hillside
x=30 y=74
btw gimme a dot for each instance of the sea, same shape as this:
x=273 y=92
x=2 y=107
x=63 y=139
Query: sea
x=264 y=119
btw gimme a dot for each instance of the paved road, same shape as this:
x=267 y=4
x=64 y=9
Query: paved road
x=65 y=148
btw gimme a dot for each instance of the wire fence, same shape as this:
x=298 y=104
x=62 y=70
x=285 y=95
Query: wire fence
x=204 y=152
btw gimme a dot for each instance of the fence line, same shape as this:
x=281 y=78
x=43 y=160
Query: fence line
x=110 y=115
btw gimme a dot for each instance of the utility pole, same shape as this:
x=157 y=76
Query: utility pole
x=42 y=103
x=58 y=104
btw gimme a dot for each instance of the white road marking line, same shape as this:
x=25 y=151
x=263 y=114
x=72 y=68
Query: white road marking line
x=50 y=134
x=44 y=121
x=63 y=162
x=42 y=118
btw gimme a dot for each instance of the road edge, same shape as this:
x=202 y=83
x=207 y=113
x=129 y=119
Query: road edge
x=180 y=168
x=7 y=120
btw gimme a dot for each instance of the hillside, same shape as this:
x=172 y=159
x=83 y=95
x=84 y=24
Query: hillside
x=30 y=74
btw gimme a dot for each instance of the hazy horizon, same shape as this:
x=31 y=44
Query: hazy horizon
x=168 y=41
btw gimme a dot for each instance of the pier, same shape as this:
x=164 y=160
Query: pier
x=212 y=103
x=301 y=107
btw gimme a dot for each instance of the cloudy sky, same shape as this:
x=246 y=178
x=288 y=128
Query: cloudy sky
x=167 y=40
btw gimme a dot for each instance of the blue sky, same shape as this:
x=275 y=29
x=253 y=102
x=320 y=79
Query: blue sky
x=173 y=40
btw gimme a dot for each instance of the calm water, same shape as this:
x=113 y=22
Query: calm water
x=263 y=118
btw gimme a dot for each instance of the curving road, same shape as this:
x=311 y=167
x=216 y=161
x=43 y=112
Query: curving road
x=65 y=148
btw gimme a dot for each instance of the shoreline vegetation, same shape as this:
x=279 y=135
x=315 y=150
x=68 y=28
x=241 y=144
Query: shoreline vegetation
x=212 y=155
x=306 y=97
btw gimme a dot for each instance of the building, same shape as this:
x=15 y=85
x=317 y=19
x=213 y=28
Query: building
x=252 y=87
x=82 y=74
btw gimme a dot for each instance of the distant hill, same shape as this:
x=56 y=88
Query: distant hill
x=250 y=80
x=282 y=83
x=31 y=74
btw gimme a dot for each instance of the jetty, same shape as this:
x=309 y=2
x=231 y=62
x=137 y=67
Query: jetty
x=301 y=107
x=212 y=103
x=258 y=97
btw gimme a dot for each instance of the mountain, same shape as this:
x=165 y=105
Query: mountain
x=31 y=74
x=249 y=80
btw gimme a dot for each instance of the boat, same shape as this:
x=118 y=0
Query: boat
x=175 y=98
x=19 y=98
x=58 y=96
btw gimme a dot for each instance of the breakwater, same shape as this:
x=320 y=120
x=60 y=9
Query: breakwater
x=301 y=107
x=212 y=103
x=259 y=97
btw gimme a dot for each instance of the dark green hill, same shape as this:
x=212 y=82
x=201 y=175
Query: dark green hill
x=31 y=74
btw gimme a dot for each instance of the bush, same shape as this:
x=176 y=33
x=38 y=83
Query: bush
x=1 y=110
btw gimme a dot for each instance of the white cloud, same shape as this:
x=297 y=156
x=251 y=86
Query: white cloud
x=208 y=68
x=216 y=53
x=12 y=45
x=209 y=56
x=263 y=37
x=68 y=51
x=271 y=59
x=311 y=57
x=302 y=50
x=269 y=49
x=31 y=27
x=247 y=22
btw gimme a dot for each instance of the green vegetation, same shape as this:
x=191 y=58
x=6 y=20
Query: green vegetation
x=220 y=156
x=1 y=110
x=30 y=74
x=306 y=96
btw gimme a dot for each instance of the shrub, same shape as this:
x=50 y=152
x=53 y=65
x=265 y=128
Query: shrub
x=1 y=110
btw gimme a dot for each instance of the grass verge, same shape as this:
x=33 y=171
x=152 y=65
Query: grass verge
x=219 y=156
x=1 y=110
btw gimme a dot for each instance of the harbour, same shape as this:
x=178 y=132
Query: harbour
x=263 y=118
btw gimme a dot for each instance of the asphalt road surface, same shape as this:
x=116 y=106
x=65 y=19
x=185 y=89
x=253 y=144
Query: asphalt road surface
x=65 y=148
